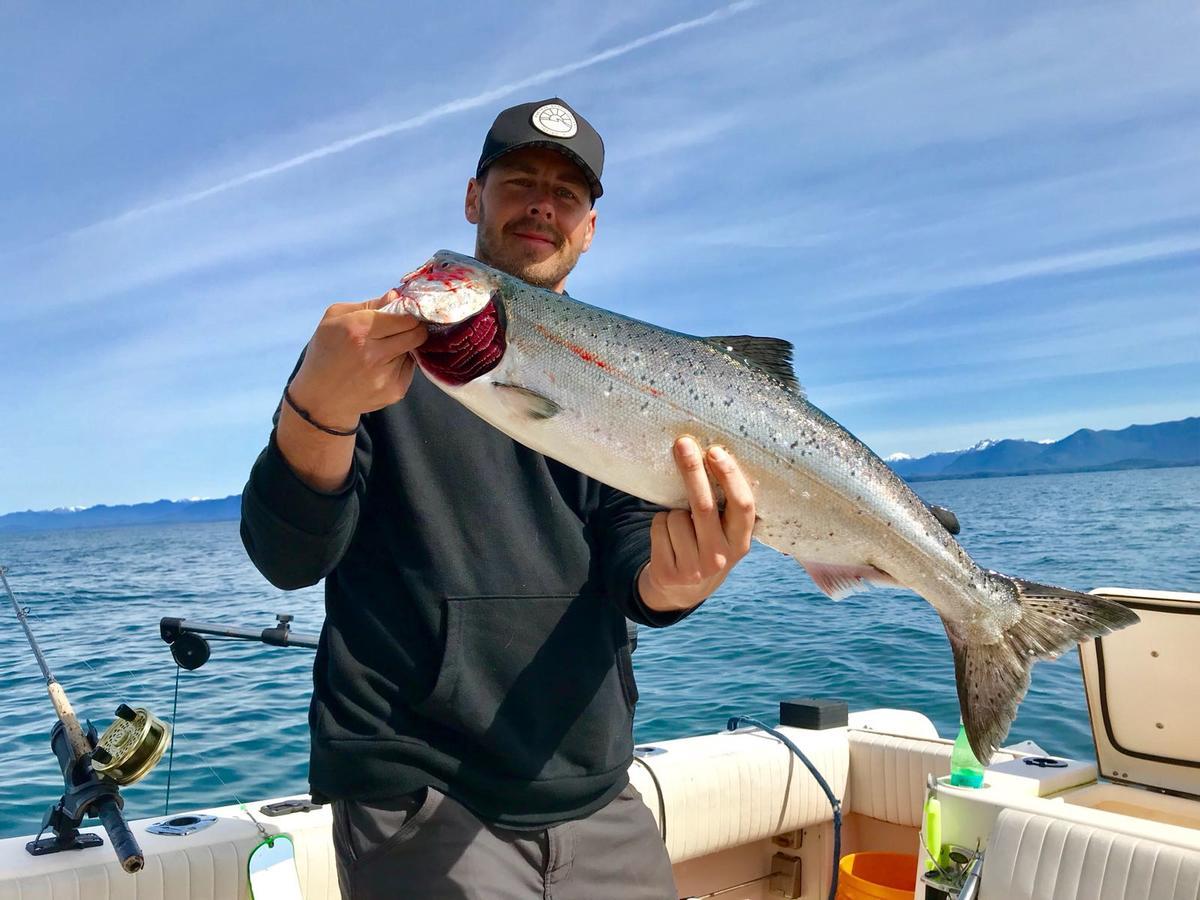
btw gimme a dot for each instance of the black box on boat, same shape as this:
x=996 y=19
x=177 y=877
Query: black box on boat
x=809 y=712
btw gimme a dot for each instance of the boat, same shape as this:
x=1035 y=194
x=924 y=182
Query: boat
x=743 y=818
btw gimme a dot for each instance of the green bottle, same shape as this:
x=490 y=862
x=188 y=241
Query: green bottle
x=965 y=770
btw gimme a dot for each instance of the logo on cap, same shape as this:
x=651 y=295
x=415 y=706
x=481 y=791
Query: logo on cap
x=555 y=121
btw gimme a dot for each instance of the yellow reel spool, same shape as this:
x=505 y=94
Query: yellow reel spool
x=131 y=746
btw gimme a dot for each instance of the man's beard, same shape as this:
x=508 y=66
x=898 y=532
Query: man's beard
x=491 y=248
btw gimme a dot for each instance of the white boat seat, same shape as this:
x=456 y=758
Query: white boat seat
x=725 y=790
x=207 y=865
x=1035 y=857
x=889 y=773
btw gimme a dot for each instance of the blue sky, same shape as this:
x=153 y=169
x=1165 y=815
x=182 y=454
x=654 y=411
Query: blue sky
x=972 y=220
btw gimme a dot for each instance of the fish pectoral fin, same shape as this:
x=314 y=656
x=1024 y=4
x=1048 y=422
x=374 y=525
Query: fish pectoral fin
x=525 y=402
x=840 y=581
x=772 y=355
x=993 y=677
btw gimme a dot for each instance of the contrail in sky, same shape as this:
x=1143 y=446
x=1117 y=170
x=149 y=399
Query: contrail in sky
x=448 y=108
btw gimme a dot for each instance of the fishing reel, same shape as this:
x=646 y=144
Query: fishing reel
x=131 y=746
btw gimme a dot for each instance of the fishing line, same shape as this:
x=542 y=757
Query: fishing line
x=171 y=751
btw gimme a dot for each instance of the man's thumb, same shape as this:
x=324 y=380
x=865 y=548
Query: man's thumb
x=380 y=302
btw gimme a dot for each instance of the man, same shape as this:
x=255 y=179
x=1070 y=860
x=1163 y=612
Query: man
x=473 y=691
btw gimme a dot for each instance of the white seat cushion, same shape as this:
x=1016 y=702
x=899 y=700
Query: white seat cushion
x=1033 y=857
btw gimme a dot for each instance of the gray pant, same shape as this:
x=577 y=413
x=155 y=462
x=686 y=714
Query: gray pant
x=426 y=845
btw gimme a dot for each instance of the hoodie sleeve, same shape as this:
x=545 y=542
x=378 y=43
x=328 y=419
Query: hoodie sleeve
x=621 y=526
x=295 y=534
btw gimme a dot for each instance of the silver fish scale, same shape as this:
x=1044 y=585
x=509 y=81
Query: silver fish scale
x=627 y=389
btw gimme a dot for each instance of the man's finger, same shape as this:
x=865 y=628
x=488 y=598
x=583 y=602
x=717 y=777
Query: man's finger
x=386 y=324
x=380 y=302
x=394 y=346
x=352 y=306
x=707 y=520
x=405 y=374
x=662 y=555
x=738 y=519
x=683 y=543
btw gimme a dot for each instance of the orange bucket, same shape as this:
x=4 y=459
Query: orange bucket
x=877 y=876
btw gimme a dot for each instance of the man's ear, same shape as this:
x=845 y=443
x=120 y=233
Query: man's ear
x=471 y=205
x=591 y=231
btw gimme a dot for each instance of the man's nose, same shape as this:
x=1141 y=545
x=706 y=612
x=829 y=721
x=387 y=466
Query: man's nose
x=540 y=205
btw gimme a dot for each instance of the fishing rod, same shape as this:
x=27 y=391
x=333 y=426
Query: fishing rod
x=93 y=768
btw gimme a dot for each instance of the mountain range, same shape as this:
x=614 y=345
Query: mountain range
x=1135 y=447
x=160 y=512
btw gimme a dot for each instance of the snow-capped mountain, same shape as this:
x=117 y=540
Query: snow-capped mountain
x=1138 y=446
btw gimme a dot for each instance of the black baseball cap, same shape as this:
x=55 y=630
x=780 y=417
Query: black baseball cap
x=546 y=123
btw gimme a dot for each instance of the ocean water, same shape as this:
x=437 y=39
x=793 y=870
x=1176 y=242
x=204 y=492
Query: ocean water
x=96 y=596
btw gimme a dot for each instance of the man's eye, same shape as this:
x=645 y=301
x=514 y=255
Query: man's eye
x=566 y=194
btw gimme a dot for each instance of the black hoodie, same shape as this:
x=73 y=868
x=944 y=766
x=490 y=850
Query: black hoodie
x=475 y=602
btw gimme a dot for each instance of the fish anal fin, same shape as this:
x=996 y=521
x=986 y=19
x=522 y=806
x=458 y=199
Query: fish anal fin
x=527 y=403
x=772 y=355
x=840 y=581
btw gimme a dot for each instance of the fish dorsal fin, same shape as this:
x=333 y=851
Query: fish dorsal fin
x=772 y=355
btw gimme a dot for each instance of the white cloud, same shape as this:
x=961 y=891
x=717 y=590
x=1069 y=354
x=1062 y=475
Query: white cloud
x=427 y=117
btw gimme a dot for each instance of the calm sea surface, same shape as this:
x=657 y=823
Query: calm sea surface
x=96 y=598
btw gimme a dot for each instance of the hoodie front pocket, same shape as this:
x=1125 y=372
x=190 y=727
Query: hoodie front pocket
x=534 y=682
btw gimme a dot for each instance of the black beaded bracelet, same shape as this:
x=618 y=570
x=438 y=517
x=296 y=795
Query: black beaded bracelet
x=303 y=413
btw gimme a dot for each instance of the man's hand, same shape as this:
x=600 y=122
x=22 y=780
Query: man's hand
x=358 y=360
x=691 y=551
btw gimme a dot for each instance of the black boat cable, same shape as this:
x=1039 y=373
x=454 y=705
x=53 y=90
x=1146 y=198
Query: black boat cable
x=737 y=721
x=662 y=805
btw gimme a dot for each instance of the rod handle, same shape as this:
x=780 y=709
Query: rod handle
x=70 y=722
x=124 y=844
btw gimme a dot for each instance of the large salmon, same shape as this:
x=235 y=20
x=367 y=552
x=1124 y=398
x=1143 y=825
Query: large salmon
x=609 y=395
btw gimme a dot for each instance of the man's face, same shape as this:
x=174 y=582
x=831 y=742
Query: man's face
x=533 y=215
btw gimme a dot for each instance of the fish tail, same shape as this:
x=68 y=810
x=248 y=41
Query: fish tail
x=993 y=677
